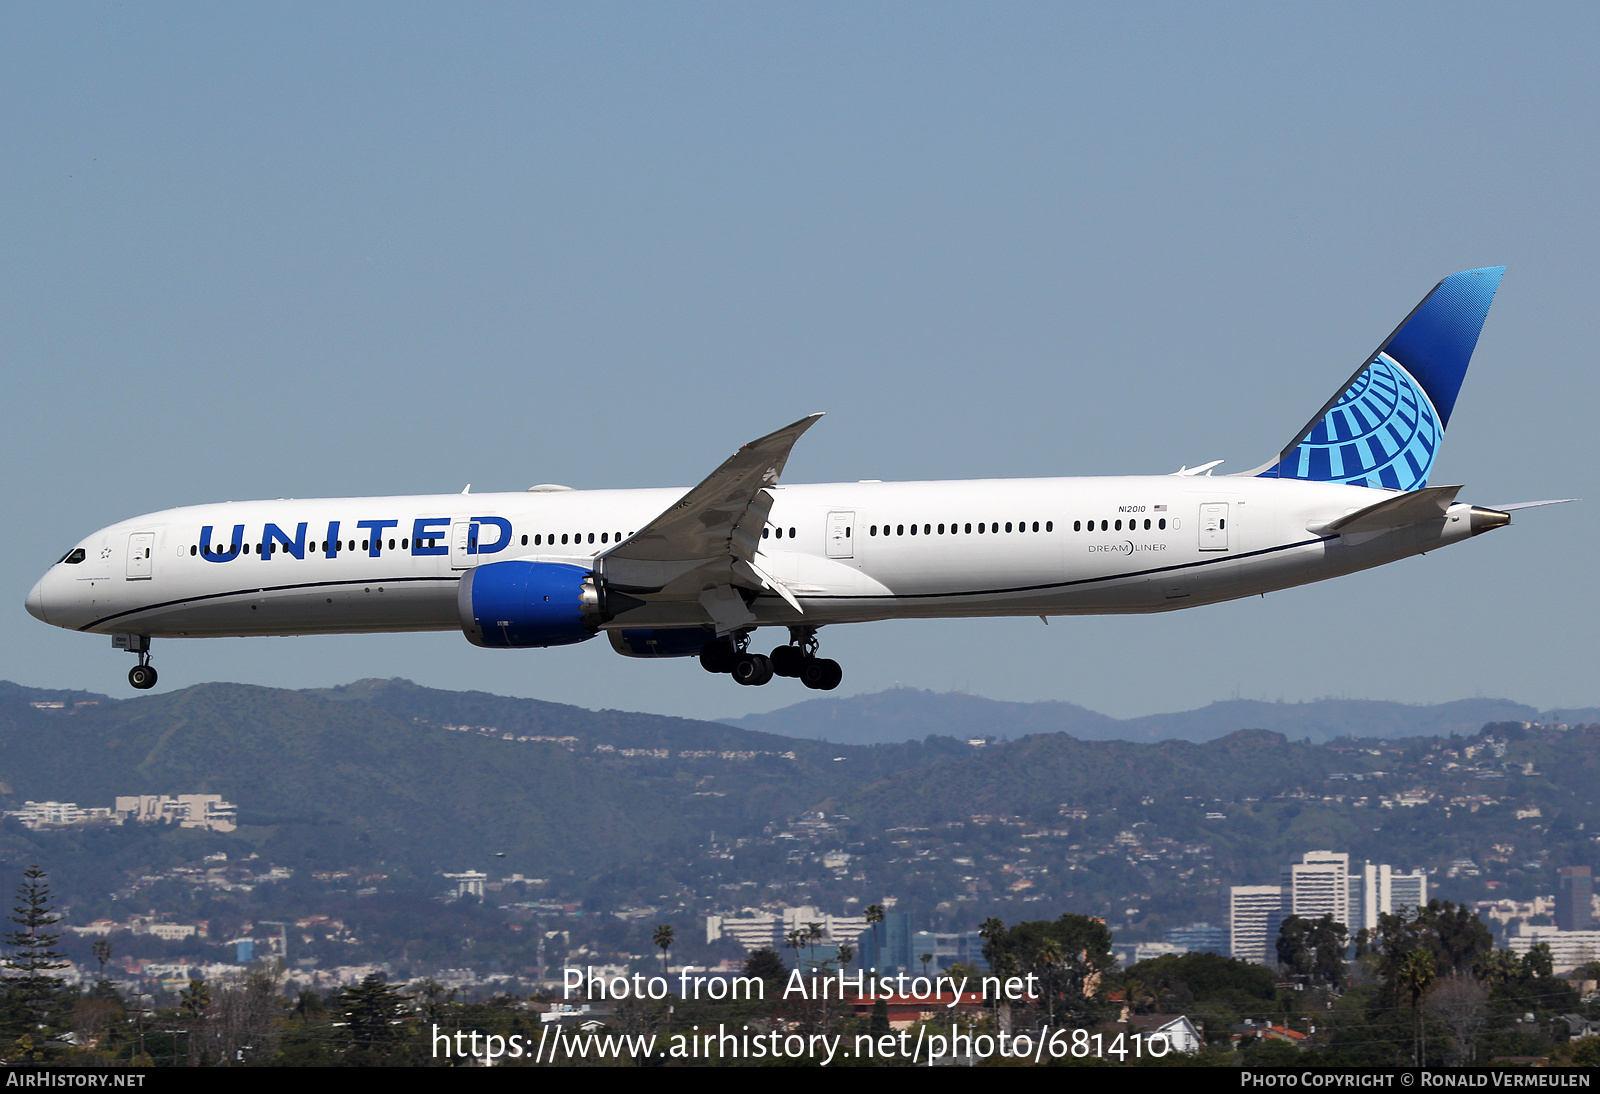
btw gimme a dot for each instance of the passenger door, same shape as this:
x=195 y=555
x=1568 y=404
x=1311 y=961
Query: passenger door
x=141 y=548
x=841 y=539
x=463 y=535
x=1214 y=526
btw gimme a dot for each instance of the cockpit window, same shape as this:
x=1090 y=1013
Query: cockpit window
x=74 y=556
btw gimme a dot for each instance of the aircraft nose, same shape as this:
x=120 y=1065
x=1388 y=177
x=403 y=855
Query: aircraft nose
x=35 y=602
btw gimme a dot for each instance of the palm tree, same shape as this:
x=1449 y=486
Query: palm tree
x=1048 y=960
x=875 y=917
x=925 y=959
x=1416 y=973
x=663 y=939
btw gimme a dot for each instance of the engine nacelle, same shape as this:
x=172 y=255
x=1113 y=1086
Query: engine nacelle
x=517 y=605
x=661 y=641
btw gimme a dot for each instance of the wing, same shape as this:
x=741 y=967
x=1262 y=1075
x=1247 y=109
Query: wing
x=705 y=545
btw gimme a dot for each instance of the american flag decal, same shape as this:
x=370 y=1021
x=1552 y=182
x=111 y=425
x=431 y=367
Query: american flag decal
x=1161 y=509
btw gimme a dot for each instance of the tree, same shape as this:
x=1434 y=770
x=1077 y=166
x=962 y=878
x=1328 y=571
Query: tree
x=874 y=917
x=371 y=1011
x=1460 y=1003
x=31 y=956
x=1537 y=963
x=663 y=940
x=102 y=954
x=765 y=964
x=1416 y=974
x=927 y=957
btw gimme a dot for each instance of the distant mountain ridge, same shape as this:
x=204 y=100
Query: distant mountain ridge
x=902 y=714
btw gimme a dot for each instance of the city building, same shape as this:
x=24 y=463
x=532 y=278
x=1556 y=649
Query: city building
x=1318 y=884
x=1575 y=899
x=1568 y=949
x=206 y=811
x=1254 y=914
x=770 y=930
x=887 y=947
x=468 y=883
x=946 y=949
x=1379 y=889
x=1199 y=938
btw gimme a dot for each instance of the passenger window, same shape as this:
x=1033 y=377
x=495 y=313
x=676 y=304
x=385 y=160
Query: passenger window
x=1077 y=526
x=1008 y=526
x=982 y=527
x=538 y=540
x=873 y=530
x=969 y=529
x=605 y=537
x=1049 y=526
x=913 y=529
x=524 y=541
x=941 y=529
x=1119 y=525
x=1163 y=524
x=1035 y=526
x=591 y=537
x=563 y=537
x=791 y=533
x=391 y=545
x=765 y=532
x=193 y=551
x=899 y=529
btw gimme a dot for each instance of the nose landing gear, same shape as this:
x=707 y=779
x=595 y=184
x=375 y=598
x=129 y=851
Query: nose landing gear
x=142 y=675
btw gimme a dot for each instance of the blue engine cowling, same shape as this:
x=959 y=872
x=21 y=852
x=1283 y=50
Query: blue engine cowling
x=661 y=641
x=517 y=605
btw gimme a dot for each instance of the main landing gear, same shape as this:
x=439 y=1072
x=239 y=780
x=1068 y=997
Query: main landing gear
x=142 y=675
x=798 y=660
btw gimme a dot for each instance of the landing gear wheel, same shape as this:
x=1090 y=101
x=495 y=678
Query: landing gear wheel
x=142 y=677
x=788 y=660
x=821 y=674
x=718 y=655
x=752 y=670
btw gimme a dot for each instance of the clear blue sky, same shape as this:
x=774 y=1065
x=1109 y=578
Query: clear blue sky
x=333 y=249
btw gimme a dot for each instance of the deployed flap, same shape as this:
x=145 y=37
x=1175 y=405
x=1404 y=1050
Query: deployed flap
x=713 y=525
x=1395 y=511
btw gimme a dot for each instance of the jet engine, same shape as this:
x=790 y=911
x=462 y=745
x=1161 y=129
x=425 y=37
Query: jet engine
x=520 y=604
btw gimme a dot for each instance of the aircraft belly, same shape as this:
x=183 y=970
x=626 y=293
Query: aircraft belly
x=344 y=608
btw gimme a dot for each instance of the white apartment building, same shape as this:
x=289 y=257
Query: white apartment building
x=1568 y=949
x=1254 y=914
x=186 y=810
x=756 y=930
x=1318 y=884
x=1379 y=888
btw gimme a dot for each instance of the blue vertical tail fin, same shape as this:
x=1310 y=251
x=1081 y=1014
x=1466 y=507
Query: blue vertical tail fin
x=1384 y=425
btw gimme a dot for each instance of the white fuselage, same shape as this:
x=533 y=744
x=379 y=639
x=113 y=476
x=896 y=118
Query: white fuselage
x=849 y=552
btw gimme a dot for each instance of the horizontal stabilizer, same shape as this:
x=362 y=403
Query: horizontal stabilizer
x=1395 y=511
x=1514 y=506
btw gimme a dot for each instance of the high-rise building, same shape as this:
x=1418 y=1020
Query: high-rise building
x=1318 y=884
x=1255 y=913
x=1407 y=892
x=1377 y=888
x=1574 y=899
x=1198 y=938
